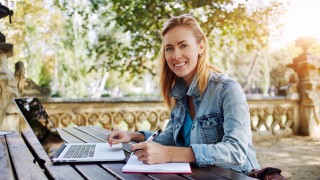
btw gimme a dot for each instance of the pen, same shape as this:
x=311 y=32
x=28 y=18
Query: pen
x=150 y=138
x=154 y=135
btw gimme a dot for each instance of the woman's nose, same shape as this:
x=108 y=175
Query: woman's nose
x=176 y=54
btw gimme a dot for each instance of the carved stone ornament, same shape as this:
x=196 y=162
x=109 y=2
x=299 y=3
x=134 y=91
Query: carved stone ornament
x=307 y=67
x=27 y=87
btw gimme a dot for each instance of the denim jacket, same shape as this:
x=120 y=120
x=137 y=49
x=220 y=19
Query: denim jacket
x=221 y=132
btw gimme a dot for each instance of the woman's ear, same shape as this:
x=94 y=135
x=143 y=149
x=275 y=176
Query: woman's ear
x=201 y=47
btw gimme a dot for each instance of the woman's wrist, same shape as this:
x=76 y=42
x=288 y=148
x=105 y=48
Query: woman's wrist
x=169 y=152
x=179 y=154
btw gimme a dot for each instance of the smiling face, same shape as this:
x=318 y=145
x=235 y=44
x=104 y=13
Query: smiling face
x=181 y=52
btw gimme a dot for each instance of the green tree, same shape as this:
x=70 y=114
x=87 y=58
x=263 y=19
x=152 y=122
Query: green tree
x=75 y=45
x=232 y=27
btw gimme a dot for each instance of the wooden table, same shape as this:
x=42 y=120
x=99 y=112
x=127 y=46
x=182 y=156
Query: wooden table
x=22 y=157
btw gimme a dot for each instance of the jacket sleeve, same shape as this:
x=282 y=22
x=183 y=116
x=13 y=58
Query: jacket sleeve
x=232 y=150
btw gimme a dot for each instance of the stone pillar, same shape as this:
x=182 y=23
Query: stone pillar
x=9 y=119
x=307 y=67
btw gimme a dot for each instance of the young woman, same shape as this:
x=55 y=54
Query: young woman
x=210 y=121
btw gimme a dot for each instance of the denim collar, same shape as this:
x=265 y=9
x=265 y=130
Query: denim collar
x=181 y=89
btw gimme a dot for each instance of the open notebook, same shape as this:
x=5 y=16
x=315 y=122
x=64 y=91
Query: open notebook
x=134 y=165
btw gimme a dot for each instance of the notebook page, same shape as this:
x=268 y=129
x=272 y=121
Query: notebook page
x=134 y=165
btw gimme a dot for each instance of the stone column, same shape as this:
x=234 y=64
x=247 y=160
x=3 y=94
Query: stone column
x=9 y=119
x=307 y=67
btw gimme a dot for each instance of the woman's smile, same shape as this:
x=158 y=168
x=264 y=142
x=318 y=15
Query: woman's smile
x=180 y=64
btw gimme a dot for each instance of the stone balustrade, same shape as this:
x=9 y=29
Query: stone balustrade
x=270 y=117
x=274 y=116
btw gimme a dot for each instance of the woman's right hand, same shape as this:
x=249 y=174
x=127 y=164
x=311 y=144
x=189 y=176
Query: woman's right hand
x=117 y=137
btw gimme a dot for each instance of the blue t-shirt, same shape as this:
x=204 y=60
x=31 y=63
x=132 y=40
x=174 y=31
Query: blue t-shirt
x=184 y=134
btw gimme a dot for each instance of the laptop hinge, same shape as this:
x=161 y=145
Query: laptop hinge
x=59 y=151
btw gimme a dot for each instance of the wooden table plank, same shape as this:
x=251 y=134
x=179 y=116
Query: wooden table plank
x=198 y=174
x=5 y=165
x=224 y=173
x=100 y=129
x=94 y=172
x=22 y=159
x=97 y=134
x=81 y=135
x=116 y=169
x=57 y=171
x=68 y=137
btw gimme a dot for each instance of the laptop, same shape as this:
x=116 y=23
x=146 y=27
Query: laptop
x=57 y=149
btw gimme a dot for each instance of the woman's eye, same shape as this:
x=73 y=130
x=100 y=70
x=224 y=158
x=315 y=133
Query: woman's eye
x=168 y=48
x=183 y=45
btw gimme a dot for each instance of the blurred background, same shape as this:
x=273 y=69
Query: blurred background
x=93 y=63
x=108 y=48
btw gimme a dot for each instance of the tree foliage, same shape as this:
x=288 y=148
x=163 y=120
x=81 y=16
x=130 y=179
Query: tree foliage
x=81 y=41
x=232 y=27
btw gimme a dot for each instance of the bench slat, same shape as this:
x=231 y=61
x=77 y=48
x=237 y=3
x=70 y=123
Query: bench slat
x=22 y=159
x=5 y=165
x=56 y=171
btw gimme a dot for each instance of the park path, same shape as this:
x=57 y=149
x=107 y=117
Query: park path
x=297 y=156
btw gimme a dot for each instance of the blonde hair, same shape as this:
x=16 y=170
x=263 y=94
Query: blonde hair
x=167 y=77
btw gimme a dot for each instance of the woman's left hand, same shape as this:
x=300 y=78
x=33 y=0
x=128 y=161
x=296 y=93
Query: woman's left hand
x=151 y=152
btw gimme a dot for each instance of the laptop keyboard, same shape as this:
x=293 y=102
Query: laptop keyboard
x=80 y=151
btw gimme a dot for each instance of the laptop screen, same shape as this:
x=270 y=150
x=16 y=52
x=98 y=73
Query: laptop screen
x=40 y=123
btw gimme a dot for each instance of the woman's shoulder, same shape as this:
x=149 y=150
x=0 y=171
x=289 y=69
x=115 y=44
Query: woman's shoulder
x=225 y=84
x=218 y=78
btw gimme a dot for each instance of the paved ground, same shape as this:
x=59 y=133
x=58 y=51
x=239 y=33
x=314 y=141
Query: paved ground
x=297 y=156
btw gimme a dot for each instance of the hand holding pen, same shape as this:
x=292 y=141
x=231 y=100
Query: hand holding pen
x=150 y=152
x=150 y=138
